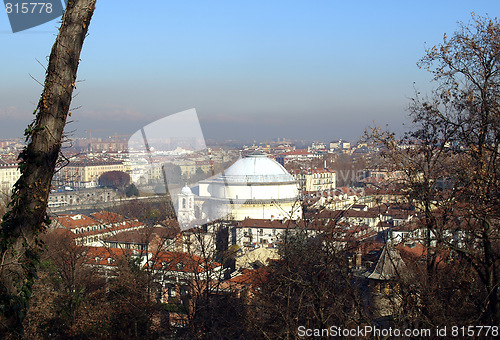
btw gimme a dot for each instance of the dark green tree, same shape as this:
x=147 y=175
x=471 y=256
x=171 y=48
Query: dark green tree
x=114 y=179
x=131 y=190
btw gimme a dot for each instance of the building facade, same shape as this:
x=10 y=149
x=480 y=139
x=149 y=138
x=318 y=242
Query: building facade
x=315 y=179
x=86 y=174
x=9 y=174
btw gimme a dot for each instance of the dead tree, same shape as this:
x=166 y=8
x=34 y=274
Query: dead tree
x=19 y=237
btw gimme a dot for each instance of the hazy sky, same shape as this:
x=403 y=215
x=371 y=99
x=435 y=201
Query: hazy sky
x=309 y=69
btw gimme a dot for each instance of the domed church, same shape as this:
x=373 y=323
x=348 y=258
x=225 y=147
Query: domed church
x=255 y=186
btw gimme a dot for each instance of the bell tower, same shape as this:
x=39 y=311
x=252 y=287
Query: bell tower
x=185 y=208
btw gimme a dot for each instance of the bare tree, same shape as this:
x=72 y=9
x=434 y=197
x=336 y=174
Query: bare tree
x=69 y=296
x=21 y=226
x=451 y=157
x=308 y=286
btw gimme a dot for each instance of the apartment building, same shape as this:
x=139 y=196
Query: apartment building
x=86 y=174
x=317 y=179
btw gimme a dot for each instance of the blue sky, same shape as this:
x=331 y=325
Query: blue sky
x=310 y=69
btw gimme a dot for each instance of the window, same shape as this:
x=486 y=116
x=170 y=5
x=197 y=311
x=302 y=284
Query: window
x=184 y=290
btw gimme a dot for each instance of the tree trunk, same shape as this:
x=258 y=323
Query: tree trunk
x=491 y=274
x=19 y=242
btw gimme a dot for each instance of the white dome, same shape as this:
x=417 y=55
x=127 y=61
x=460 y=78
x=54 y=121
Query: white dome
x=186 y=191
x=257 y=168
x=255 y=186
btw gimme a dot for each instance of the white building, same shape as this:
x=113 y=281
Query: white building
x=254 y=233
x=315 y=179
x=186 y=207
x=9 y=174
x=253 y=187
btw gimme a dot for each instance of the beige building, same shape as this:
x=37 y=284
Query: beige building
x=86 y=174
x=188 y=168
x=63 y=198
x=339 y=144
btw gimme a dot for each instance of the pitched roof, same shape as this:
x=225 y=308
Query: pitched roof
x=142 y=236
x=416 y=251
x=72 y=221
x=106 y=256
x=108 y=217
x=360 y=214
x=254 y=277
x=181 y=262
x=389 y=266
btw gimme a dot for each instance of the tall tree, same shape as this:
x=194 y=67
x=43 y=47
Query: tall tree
x=451 y=156
x=26 y=219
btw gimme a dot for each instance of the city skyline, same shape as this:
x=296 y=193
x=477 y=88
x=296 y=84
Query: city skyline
x=252 y=70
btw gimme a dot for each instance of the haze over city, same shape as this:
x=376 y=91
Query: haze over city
x=253 y=69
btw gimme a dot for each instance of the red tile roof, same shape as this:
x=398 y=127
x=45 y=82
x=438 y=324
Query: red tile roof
x=76 y=221
x=253 y=277
x=360 y=214
x=181 y=262
x=108 y=217
x=106 y=256
x=143 y=235
x=102 y=222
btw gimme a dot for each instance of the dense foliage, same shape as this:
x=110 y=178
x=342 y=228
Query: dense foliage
x=114 y=179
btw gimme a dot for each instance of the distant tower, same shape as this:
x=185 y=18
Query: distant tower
x=185 y=209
